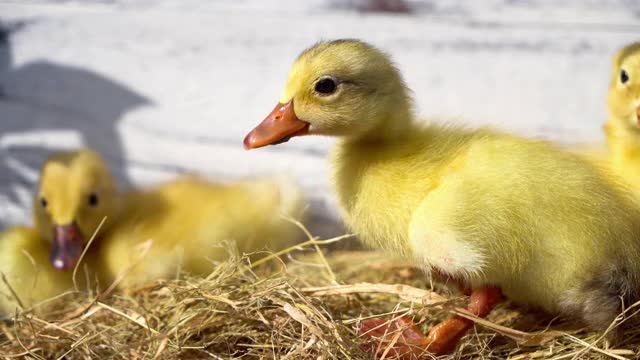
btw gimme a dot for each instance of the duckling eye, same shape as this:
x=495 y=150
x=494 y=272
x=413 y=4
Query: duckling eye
x=93 y=200
x=43 y=202
x=326 y=86
x=624 y=77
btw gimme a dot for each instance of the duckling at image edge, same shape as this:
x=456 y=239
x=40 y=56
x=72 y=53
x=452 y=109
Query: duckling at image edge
x=622 y=128
x=190 y=223
x=499 y=214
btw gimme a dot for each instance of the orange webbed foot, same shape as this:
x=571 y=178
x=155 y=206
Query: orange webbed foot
x=401 y=339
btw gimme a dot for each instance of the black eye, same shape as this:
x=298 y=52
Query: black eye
x=326 y=86
x=43 y=202
x=624 y=77
x=93 y=199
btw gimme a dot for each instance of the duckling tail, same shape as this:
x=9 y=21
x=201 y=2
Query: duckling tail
x=602 y=298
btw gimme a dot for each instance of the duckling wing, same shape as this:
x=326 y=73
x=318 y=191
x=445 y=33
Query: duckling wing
x=436 y=242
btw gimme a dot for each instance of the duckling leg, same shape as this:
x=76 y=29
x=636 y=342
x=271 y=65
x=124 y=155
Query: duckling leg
x=442 y=338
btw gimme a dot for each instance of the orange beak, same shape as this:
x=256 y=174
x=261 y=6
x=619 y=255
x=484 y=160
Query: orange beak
x=278 y=127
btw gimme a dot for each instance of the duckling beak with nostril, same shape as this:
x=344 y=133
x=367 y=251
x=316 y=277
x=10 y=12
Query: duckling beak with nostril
x=67 y=247
x=278 y=127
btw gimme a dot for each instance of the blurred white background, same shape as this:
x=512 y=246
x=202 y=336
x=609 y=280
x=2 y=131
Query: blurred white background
x=162 y=87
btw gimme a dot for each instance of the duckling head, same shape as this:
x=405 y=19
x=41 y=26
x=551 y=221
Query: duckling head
x=338 y=88
x=76 y=192
x=624 y=89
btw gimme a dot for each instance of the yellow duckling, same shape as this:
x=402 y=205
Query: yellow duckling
x=497 y=213
x=65 y=212
x=622 y=128
x=188 y=221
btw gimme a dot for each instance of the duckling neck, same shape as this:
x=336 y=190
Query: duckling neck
x=624 y=145
x=394 y=127
x=622 y=142
x=362 y=169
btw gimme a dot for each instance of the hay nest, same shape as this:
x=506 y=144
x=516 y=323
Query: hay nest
x=296 y=304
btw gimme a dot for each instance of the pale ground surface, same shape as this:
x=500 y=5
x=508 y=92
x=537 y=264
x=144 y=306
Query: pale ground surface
x=164 y=87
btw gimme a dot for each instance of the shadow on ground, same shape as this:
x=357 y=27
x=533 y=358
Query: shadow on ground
x=43 y=107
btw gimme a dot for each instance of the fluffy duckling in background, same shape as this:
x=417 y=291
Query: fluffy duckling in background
x=190 y=222
x=622 y=128
x=499 y=214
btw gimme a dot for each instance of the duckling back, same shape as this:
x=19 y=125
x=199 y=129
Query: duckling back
x=276 y=201
x=254 y=214
x=192 y=222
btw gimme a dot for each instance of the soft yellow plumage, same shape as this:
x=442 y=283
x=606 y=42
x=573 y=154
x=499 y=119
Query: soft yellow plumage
x=488 y=208
x=24 y=263
x=190 y=222
x=622 y=128
x=193 y=222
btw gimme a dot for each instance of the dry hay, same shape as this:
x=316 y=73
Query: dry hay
x=298 y=304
